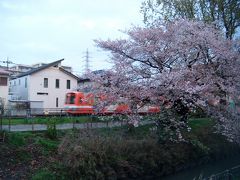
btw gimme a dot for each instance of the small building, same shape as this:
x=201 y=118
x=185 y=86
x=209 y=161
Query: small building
x=4 y=83
x=85 y=84
x=45 y=85
x=20 y=68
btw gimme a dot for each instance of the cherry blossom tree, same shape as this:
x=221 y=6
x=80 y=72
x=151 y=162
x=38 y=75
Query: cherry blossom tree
x=223 y=13
x=178 y=66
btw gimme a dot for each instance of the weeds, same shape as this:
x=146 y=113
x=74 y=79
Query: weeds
x=88 y=154
x=48 y=145
x=15 y=139
x=44 y=174
x=51 y=128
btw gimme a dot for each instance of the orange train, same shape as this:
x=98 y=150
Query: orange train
x=84 y=103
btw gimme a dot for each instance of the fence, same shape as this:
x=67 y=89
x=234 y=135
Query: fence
x=33 y=120
x=27 y=112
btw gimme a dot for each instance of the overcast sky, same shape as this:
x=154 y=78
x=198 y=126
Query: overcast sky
x=35 y=31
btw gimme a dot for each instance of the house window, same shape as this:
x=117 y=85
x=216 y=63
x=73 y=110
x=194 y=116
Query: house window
x=68 y=84
x=56 y=102
x=41 y=93
x=3 y=81
x=25 y=82
x=57 y=83
x=45 y=83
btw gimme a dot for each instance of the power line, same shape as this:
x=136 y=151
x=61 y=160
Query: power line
x=7 y=62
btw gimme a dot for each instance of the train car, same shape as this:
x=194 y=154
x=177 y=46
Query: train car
x=79 y=103
x=84 y=103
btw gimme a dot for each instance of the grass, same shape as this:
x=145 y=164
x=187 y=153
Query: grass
x=65 y=119
x=198 y=123
x=43 y=120
x=84 y=119
x=44 y=174
x=16 y=139
x=134 y=147
x=48 y=146
x=137 y=132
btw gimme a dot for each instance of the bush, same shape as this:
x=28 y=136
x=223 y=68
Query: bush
x=15 y=139
x=87 y=155
x=200 y=146
x=48 y=145
x=44 y=174
x=51 y=128
x=98 y=154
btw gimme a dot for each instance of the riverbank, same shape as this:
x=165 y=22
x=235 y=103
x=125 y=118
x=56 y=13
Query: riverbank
x=218 y=166
x=109 y=153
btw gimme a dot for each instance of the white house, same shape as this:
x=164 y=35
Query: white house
x=4 y=79
x=43 y=87
x=19 y=68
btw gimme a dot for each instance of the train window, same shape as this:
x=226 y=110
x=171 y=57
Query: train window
x=70 y=99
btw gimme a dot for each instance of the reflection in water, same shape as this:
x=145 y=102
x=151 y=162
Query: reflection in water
x=206 y=170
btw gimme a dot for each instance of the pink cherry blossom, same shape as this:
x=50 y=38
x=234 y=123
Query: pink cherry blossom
x=183 y=61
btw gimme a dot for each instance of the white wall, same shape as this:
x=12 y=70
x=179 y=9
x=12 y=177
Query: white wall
x=18 y=89
x=36 y=85
x=4 y=93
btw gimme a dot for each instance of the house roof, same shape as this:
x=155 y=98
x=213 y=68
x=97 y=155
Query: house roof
x=35 y=70
x=83 y=80
x=96 y=72
x=4 y=72
x=39 y=68
x=69 y=73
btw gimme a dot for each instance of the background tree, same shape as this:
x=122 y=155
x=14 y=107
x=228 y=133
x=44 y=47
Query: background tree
x=224 y=13
x=183 y=63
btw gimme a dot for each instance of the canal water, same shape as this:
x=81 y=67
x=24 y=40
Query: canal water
x=206 y=170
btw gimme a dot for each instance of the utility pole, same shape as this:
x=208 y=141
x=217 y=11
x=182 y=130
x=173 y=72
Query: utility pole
x=7 y=62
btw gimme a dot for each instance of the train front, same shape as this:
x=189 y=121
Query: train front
x=77 y=103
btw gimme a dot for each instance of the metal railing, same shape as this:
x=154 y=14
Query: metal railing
x=26 y=112
x=36 y=119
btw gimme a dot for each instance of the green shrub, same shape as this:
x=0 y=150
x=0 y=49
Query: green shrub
x=49 y=145
x=16 y=139
x=117 y=154
x=200 y=146
x=44 y=174
x=86 y=155
x=51 y=128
